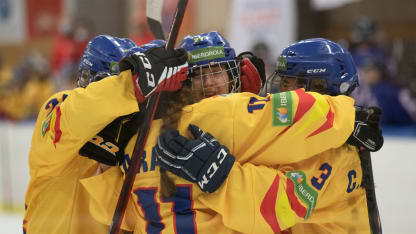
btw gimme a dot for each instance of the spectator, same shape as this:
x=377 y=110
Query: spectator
x=67 y=51
x=385 y=93
x=376 y=70
x=29 y=87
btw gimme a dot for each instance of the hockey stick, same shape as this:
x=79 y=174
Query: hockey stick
x=144 y=130
x=154 y=18
x=368 y=184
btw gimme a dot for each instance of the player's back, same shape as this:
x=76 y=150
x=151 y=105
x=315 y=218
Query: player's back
x=193 y=211
x=183 y=213
x=234 y=122
x=55 y=200
x=341 y=205
x=335 y=175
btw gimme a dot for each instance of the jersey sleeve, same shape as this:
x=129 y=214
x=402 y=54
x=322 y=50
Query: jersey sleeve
x=291 y=126
x=70 y=118
x=323 y=189
x=280 y=128
x=258 y=199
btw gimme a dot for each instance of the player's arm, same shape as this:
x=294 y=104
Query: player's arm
x=289 y=127
x=155 y=70
x=265 y=130
x=70 y=119
x=252 y=198
x=259 y=199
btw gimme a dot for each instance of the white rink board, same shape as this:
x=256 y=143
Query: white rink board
x=393 y=167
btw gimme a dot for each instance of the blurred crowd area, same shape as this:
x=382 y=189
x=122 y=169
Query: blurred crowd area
x=26 y=86
x=386 y=69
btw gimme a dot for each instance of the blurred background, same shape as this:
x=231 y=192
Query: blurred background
x=41 y=42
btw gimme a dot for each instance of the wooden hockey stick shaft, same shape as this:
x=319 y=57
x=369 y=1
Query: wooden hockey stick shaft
x=144 y=131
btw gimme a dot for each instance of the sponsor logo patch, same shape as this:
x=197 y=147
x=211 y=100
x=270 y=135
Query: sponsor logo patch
x=281 y=64
x=282 y=109
x=209 y=53
x=46 y=124
x=303 y=191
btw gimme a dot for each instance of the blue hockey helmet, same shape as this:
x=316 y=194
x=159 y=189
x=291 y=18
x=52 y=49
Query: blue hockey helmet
x=101 y=57
x=318 y=65
x=143 y=48
x=213 y=52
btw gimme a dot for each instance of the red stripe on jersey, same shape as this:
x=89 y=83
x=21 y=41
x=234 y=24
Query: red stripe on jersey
x=24 y=228
x=267 y=208
x=306 y=102
x=327 y=125
x=296 y=206
x=57 y=126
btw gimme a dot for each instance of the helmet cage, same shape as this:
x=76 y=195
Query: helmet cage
x=232 y=67
x=277 y=83
x=88 y=76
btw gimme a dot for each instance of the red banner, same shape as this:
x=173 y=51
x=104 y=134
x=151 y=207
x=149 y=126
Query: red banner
x=43 y=17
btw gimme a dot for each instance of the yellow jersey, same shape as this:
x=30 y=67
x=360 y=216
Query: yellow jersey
x=280 y=129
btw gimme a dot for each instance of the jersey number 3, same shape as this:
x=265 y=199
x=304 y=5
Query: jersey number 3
x=183 y=215
x=318 y=182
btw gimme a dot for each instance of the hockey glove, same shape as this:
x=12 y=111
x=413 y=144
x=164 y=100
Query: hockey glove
x=202 y=160
x=367 y=134
x=253 y=72
x=157 y=69
x=108 y=145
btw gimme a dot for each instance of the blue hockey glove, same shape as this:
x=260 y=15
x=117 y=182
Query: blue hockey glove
x=202 y=160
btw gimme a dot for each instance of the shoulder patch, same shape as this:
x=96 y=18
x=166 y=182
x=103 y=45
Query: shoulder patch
x=52 y=113
x=46 y=125
x=304 y=192
x=282 y=112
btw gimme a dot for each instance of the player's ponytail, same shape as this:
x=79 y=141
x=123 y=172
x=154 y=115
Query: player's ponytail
x=172 y=104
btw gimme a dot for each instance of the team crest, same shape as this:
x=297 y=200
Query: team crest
x=282 y=114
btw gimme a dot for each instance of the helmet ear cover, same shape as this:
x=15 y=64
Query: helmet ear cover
x=211 y=70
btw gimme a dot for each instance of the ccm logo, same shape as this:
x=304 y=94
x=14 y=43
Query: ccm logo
x=212 y=169
x=318 y=70
x=147 y=66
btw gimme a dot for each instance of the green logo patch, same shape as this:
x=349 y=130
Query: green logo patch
x=114 y=68
x=46 y=124
x=208 y=53
x=303 y=191
x=281 y=64
x=282 y=112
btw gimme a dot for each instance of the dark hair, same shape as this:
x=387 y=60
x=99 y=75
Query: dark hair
x=171 y=104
